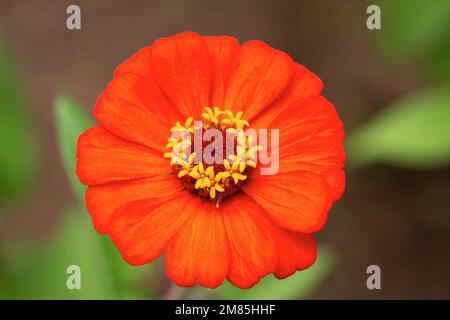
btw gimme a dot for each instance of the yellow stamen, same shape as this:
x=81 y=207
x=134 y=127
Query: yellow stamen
x=238 y=177
x=235 y=168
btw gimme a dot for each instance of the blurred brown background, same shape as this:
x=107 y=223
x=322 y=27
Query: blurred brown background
x=394 y=218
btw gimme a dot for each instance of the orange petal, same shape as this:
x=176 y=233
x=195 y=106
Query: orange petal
x=259 y=76
x=303 y=84
x=103 y=157
x=297 y=201
x=138 y=63
x=296 y=251
x=311 y=139
x=181 y=65
x=103 y=200
x=135 y=109
x=199 y=252
x=251 y=241
x=223 y=50
x=141 y=230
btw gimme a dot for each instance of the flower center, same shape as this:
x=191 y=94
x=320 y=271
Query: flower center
x=213 y=156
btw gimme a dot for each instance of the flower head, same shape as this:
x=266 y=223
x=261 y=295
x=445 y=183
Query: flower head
x=155 y=188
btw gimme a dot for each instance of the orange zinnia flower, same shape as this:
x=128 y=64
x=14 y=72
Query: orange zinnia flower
x=217 y=221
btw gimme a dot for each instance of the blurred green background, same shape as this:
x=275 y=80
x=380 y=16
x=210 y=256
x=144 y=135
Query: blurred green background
x=390 y=88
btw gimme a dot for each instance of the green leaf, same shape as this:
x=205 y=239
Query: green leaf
x=40 y=272
x=298 y=286
x=413 y=133
x=415 y=26
x=70 y=121
x=419 y=31
x=18 y=152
